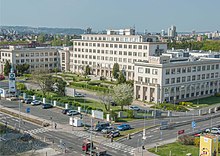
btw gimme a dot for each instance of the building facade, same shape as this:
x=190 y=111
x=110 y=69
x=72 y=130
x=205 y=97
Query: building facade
x=37 y=58
x=101 y=51
x=179 y=79
x=64 y=55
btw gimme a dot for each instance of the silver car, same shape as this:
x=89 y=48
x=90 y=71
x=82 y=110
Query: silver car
x=107 y=130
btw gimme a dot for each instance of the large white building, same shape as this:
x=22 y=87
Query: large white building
x=176 y=76
x=37 y=58
x=101 y=51
x=65 y=58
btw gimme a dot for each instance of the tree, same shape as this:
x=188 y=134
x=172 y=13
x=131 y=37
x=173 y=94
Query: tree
x=115 y=70
x=106 y=99
x=121 y=78
x=22 y=68
x=7 y=68
x=123 y=95
x=41 y=38
x=87 y=70
x=59 y=86
x=44 y=81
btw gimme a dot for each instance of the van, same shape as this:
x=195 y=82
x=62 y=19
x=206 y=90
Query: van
x=101 y=126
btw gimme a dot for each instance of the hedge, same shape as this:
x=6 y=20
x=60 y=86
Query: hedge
x=94 y=88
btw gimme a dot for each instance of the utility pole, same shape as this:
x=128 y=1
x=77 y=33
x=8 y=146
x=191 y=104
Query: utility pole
x=19 y=115
x=91 y=144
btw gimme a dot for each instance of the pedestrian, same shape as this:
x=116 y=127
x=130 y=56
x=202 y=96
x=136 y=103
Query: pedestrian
x=55 y=125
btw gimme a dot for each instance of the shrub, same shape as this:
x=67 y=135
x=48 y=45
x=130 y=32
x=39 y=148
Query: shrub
x=94 y=83
x=186 y=140
x=217 y=94
x=102 y=78
x=197 y=141
x=130 y=113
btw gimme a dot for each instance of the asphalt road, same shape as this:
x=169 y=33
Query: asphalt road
x=157 y=136
x=72 y=142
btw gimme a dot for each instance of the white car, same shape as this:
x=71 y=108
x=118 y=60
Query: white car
x=135 y=108
x=36 y=102
x=79 y=95
x=215 y=130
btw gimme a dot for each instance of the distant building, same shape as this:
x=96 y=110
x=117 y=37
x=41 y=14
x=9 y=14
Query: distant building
x=162 y=32
x=101 y=51
x=199 y=38
x=172 y=31
x=37 y=58
x=64 y=55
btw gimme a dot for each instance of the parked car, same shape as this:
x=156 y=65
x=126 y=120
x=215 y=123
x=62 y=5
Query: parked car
x=79 y=95
x=215 y=130
x=102 y=125
x=207 y=130
x=123 y=127
x=72 y=112
x=28 y=101
x=107 y=130
x=47 y=105
x=114 y=134
x=64 y=111
x=36 y=102
x=135 y=108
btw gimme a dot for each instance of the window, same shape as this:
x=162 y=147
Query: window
x=193 y=77
x=134 y=53
x=178 y=80
x=172 y=80
x=183 y=79
x=147 y=80
x=217 y=66
x=173 y=71
x=188 y=78
x=130 y=53
x=199 y=68
x=140 y=79
x=147 y=70
x=178 y=70
x=154 y=71
x=213 y=67
x=154 y=81
x=134 y=46
x=208 y=67
x=198 y=77
x=184 y=70
x=194 y=69
x=167 y=71
x=203 y=76
x=140 y=70
x=167 y=81
x=203 y=68
x=189 y=69
x=140 y=47
x=207 y=76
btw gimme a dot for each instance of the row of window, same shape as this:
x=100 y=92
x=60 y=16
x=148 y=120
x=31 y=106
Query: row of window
x=106 y=58
x=43 y=65
x=147 y=70
x=125 y=53
x=111 y=45
x=117 y=39
x=36 y=60
x=36 y=54
x=192 y=69
x=6 y=54
x=191 y=78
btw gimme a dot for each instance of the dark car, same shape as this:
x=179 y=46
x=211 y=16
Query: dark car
x=102 y=125
x=46 y=106
x=64 y=111
x=114 y=134
x=28 y=101
x=123 y=127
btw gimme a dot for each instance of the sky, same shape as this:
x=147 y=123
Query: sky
x=153 y=15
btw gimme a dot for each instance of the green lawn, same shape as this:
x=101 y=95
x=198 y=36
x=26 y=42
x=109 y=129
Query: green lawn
x=176 y=149
x=213 y=100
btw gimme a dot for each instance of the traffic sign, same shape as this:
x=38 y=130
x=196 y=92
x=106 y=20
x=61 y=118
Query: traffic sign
x=181 y=132
x=28 y=110
x=193 y=124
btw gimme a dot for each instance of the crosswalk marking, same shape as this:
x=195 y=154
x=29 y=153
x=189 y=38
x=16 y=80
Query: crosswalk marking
x=115 y=145
x=37 y=130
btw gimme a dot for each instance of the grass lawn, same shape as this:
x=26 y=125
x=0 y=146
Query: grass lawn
x=213 y=100
x=176 y=149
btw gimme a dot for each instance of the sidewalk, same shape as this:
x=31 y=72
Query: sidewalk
x=140 y=152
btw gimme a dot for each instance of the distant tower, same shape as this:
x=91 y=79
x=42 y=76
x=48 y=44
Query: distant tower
x=162 y=32
x=172 y=31
x=89 y=30
x=12 y=86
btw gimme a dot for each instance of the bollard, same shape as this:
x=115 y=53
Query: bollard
x=129 y=137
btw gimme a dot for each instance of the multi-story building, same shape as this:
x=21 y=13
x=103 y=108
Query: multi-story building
x=172 y=31
x=176 y=79
x=65 y=58
x=101 y=51
x=37 y=58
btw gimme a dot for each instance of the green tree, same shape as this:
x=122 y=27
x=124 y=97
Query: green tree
x=22 y=68
x=87 y=70
x=121 y=78
x=115 y=70
x=123 y=95
x=57 y=41
x=44 y=81
x=59 y=86
x=106 y=99
x=41 y=38
x=7 y=68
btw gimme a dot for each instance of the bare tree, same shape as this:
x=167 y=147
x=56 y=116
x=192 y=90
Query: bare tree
x=106 y=99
